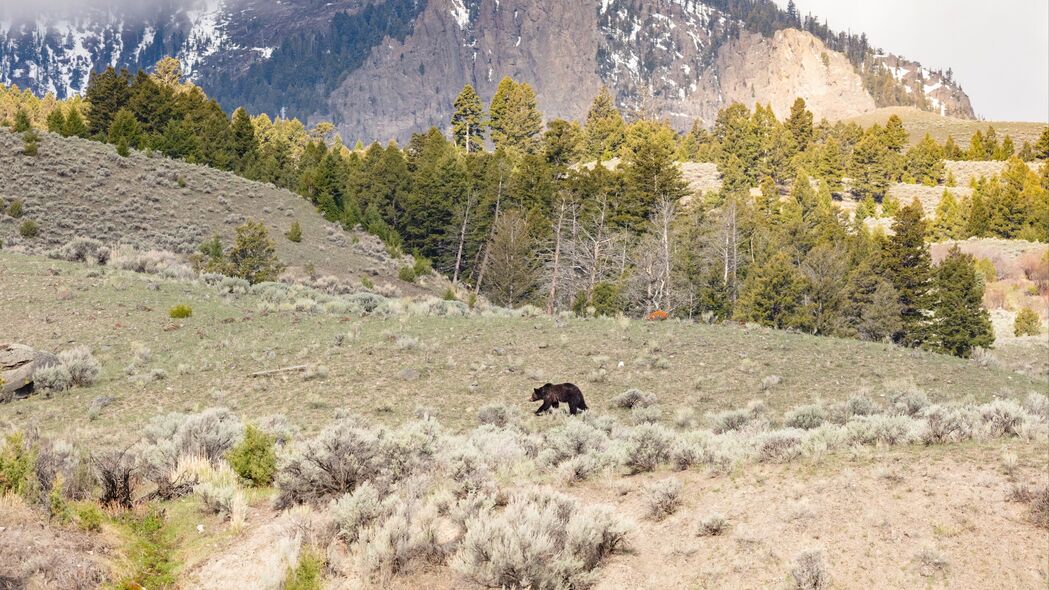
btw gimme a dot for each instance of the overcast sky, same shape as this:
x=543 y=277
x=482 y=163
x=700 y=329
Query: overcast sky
x=998 y=49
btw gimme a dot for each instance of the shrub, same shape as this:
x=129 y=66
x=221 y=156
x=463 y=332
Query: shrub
x=406 y=274
x=729 y=420
x=117 y=472
x=294 y=233
x=307 y=573
x=253 y=256
x=180 y=312
x=355 y=511
x=209 y=435
x=909 y=403
x=860 y=405
x=806 y=417
x=14 y=208
x=1027 y=323
x=1037 y=404
x=16 y=465
x=89 y=518
x=632 y=398
x=83 y=368
x=662 y=498
x=254 y=459
x=645 y=447
x=82 y=249
x=948 y=424
x=30 y=142
x=223 y=499
x=54 y=378
x=1003 y=417
x=810 y=572
x=646 y=414
x=496 y=414
x=780 y=446
x=29 y=229
x=712 y=526
x=572 y=438
x=347 y=454
x=407 y=536
x=880 y=430
x=1040 y=508
x=541 y=540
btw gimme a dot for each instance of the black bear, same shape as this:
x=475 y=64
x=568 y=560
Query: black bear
x=554 y=395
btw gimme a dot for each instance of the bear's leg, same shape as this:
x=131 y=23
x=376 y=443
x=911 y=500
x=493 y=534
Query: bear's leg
x=572 y=408
x=555 y=404
x=543 y=408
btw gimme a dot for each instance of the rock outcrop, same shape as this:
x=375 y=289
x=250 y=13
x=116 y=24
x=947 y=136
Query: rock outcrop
x=18 y=364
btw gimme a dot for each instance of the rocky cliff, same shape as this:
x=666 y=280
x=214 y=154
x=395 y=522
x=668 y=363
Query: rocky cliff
x=383 y=69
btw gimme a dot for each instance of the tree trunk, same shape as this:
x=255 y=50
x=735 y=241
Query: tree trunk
x=557 y=260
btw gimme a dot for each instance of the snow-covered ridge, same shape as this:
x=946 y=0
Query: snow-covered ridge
x=57 y=55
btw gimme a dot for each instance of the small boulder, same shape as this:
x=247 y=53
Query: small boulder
x=18 y=364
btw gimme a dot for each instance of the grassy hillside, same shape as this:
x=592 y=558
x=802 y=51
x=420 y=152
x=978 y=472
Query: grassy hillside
x=77 y=188
x=755 y=498
x=918 y=123
x=385 y=367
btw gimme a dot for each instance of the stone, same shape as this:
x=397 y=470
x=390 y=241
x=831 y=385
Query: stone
x=18 y=364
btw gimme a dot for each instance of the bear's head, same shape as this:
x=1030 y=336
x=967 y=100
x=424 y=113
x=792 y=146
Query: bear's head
x=539 y=393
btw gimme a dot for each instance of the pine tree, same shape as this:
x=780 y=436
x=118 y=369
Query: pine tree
x=294 y=233
x=513 y=269
x=562 y=143
x=74 y=125
x=649 y=172
x=30 y=142
x=107 y=92
x=800 y=123
x=977 y=147
x=905 y=262
x=1027 y=323
x=959 y=321
x=977 y=225
x=124 y=129
x=1041 y=149
x=872 y=305
x=56 y=121
x=774 y=295
x=514 y=117
x=604 y=127
x=244 y=143
x=468 y=121
x=22 y=123
x=253 y=256
x=951 y=151
x=950 y=220
x=829 y=165
x=870 y=167
x=895 y=134
x=924 y=162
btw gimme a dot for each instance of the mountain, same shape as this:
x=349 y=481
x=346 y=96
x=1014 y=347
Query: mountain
x=387 y=68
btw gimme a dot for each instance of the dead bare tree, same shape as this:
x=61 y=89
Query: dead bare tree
x=468 y=206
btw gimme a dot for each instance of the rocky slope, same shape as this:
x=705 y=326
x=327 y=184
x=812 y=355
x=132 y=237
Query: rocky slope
x=386 y=68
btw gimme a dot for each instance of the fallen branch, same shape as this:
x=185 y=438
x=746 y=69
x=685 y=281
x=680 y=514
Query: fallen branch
x=281 y=370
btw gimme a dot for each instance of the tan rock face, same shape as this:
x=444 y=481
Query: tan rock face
x=790 y=64
x=684 y=57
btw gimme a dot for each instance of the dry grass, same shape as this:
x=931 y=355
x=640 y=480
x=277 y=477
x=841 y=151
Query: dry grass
x=918 y=123
x=467 y=362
